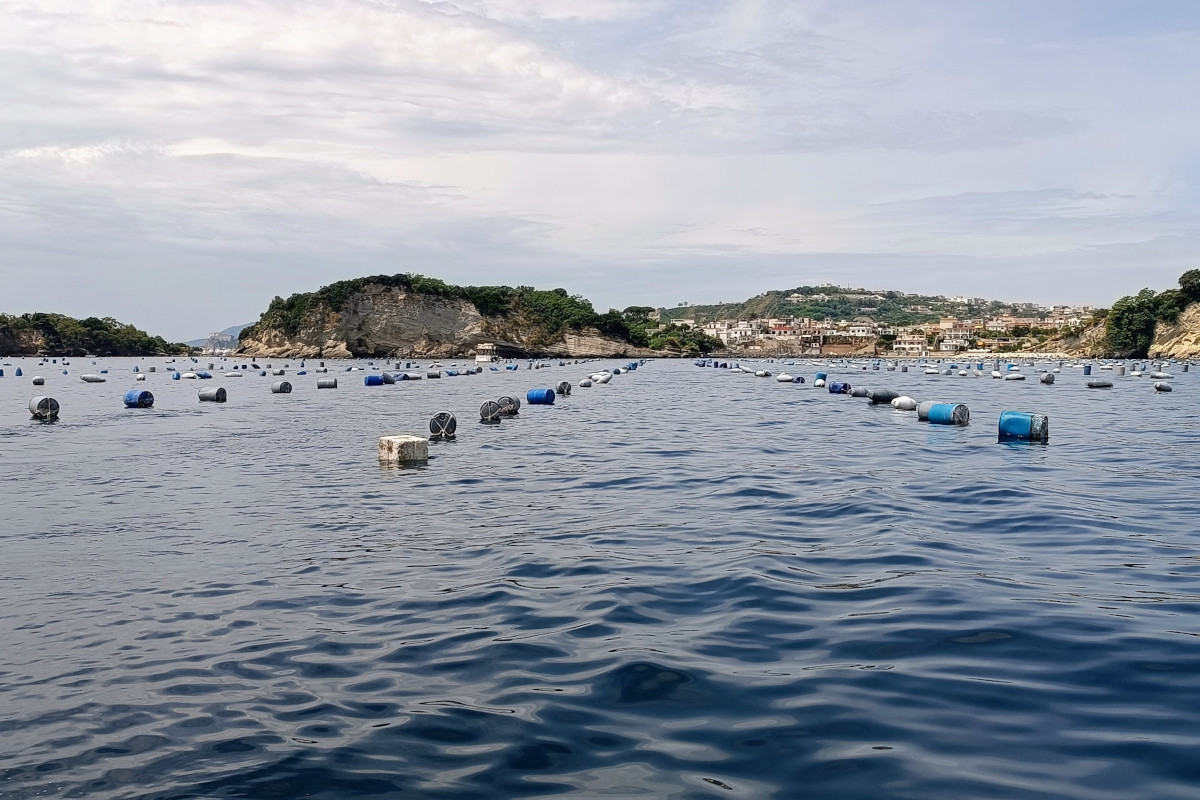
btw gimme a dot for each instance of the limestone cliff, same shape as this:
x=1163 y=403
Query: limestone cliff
x=1180 y=339
x=382 y=321
x=21 y=343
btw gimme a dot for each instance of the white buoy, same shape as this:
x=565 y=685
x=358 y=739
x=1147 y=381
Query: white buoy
x=229 y=375
x=819 y=383
x=997 y=374
x=1014 y=376
x=585 y=383
x=139 y=377
x=904 y=403
x=188 y=375
x=91 y=378
x=762 y=373
x=783 y=377
x=1162 y=387
x=1137 y=373
x=1161 y=376
x=932 y=371
x=403 y=449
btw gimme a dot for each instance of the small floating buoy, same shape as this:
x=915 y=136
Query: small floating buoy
x=540 y=397
x=585 y=383
x=92 y=378
x=783 y=377
x=1161 y=376
x=819 y=383
x=1047 y=378
x=403 y=449
x=904 y=403
x=18 y=372
x=326 y=383
x=509 y=406
x=949 y=414
x=39 y=381
x=388 y=378
x=923 y=409
x=489 y=413
x=1087 y=369
x=1022 y=426
x=433 y=374
x=43 y=408
x=997 y=373
x=882 y=396
x=563 y=388
x=281 y=387
x=1014 y=376
x=839 y=387
x=1159 y=386
x=932 y=371
x=233 y=374
x=214 y=394
x=1098 y=383
x=372 y=380
x=859 y=391
x=138 y=398
x=442 y=426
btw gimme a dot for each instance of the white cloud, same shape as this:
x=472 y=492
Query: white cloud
x=610 y=146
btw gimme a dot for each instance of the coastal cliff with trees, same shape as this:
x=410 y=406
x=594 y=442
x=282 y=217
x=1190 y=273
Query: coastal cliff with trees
x=414 y=315
x=1148 y=324
x=59 y=335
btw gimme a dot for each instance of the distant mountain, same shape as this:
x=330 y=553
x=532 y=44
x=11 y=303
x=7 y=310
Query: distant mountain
x=233 y=331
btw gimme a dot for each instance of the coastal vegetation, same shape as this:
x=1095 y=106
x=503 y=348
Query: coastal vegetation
x=60 y=335
x=827 y=302
x=552 y=312
x=1131 y=322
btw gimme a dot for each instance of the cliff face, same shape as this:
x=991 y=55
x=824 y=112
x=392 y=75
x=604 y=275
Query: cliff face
x=389 y=322
x=21 y=343
x=1180 y=340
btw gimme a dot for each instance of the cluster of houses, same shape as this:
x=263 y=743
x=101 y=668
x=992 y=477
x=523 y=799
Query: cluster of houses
x=801 y=335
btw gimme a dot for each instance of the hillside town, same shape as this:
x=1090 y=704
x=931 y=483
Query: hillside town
x=1026 y=326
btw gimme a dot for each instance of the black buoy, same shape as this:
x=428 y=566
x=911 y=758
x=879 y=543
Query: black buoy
x=489 y=413
x=509 y=406
x=563 y=388
x=442 y=426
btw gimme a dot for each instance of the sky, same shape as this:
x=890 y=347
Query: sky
x=177 y=163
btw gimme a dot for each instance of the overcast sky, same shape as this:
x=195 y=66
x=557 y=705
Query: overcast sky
x=177 y=163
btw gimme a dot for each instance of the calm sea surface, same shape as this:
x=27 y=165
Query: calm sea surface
x=685 y=584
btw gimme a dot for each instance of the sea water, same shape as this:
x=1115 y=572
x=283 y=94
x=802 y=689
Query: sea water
x=686 y=583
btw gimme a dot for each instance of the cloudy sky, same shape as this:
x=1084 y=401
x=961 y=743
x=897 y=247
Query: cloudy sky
x=177 y=163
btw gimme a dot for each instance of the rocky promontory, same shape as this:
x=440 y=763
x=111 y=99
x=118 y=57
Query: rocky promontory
x=390 y=316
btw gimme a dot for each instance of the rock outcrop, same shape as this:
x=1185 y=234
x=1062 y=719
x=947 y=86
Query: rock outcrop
x=1180 y=339
x=385 y=322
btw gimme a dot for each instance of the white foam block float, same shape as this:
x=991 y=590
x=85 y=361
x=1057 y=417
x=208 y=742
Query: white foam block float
x=403 y=448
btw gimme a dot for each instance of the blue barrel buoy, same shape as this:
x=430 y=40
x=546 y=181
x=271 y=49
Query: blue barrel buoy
x=540 y=397
x=1087 y=369
x=1022 y=426
x=372 y=380
x=949 y=414
x=838 y=387
x=821 y=376
x=175 y=375
x=138 y=398
x=1 y=373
